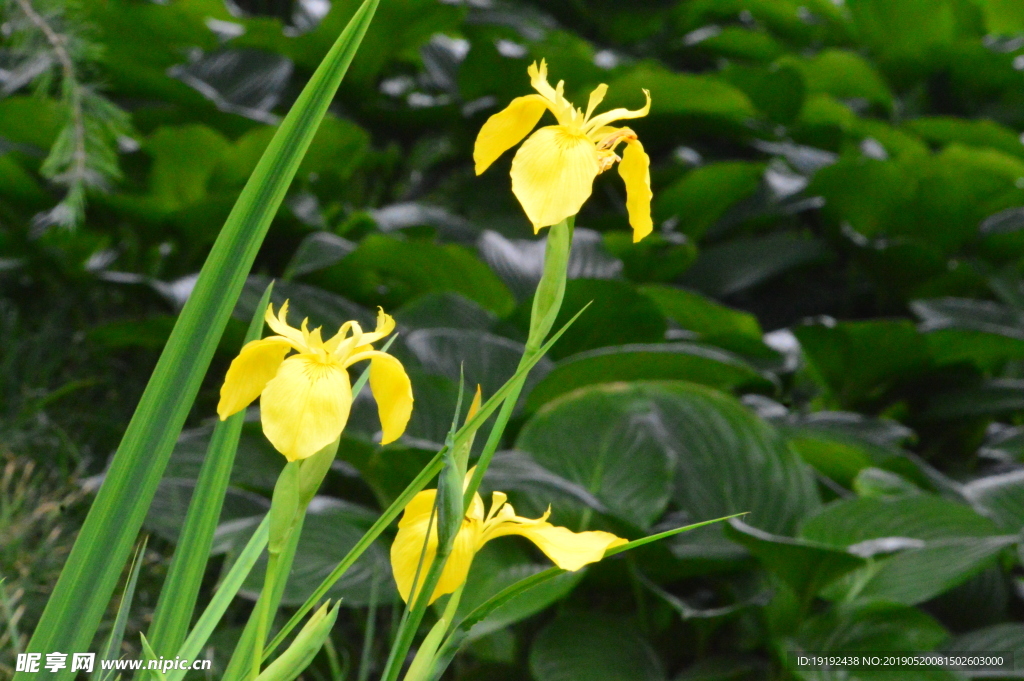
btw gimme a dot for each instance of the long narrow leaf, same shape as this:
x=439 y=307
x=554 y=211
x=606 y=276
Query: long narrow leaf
x=89 y=577
x=222 y=598
x=116 y=638
x=184 y=577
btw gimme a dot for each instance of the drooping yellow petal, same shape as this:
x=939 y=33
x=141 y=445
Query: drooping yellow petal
x=635 y=172
x=408 y=548
x=553 y=174
x=608 y=117
x=393 y=392
x=507 y=128
x=567 y=549
x=305 y=406
x=248 y=374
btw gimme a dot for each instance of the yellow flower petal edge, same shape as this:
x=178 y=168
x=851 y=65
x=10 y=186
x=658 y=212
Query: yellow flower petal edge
x=305 y=399
x=553 y=172
x=567 y=549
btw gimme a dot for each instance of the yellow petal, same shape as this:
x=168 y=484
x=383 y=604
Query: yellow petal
x=408 y=548
x=553 y=174
x=619 y=114
x=567 y=549
x=539 y=80
x=636 y=173
x=248 y=374
x=507 y=128
x=596 y=97
x=305 y=406
x=393 y=392
x=474 y=406
x=280 y=326
x=385 y=325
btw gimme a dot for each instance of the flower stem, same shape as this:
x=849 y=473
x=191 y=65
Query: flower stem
x=547 y=302
x=262 y=622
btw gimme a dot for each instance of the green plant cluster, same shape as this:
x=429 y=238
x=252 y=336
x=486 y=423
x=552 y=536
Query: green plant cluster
x=845 y=176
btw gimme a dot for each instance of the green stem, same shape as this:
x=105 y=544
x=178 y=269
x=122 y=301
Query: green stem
x=547 y=302
x=262 y=622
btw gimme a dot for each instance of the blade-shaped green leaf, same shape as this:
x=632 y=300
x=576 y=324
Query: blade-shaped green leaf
x=113 y=644
x=184 y=577
x=81 y=594
x=230 y=585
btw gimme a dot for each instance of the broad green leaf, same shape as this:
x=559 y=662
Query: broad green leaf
x=702 y=196
x=807 y=567
x=444 y=309
x=321 y=307
x=741 y=43
x=1003 y=17
x=973 y=133
x=906 y=30
x=846 y=356
x=777 y=91
x=1008 y=637
x=317 y=251
x=939 y=544
x=484 y=358
x=169 y=510
x=871 y=628
x=729 y=461
x=996 y=396
x=1000 y=497
x=184 y=160
x=91 y=571
x=666 y=361
x=844 y=75
x=681 y=94
x=694 y=312
x=386 y=270
x=742 y=263
x=624 y=462
x=592 y=647
x=925 y=517
x=619 y=315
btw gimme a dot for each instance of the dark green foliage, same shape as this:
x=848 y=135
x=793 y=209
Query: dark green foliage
x=848 y=177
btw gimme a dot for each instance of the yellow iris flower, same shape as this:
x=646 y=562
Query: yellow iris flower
x=553 y=172
x=569 y=550
x=305 y=399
